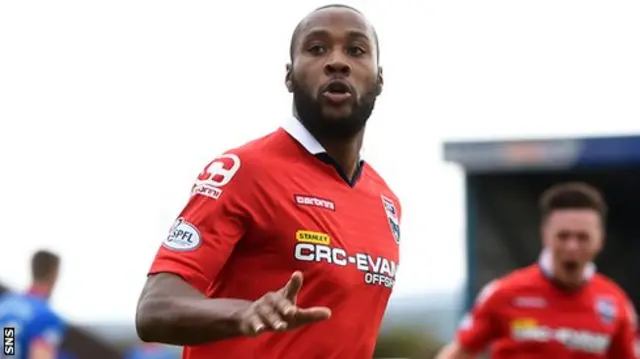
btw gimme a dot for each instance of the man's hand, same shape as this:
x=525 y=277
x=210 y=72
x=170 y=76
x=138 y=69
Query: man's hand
x=277 y=311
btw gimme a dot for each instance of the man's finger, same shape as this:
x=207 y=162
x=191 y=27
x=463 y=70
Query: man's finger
x=285 y=308
x=254 y=326
x=311 y=315
x=292 y=288
x=270 y=317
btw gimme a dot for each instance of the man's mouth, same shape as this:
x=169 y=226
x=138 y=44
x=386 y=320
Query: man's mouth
x=337 y=92
x=570 y=266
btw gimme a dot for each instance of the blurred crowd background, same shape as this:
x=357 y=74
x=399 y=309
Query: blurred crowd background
x=110 y=109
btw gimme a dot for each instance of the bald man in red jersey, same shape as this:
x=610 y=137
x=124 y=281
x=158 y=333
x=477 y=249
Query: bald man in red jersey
x=298 y=205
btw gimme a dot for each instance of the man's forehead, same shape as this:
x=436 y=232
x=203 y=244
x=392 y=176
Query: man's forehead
x=571 y=217
x=335 y=18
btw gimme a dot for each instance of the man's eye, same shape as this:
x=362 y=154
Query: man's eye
x=356 y=51
x=316 y=49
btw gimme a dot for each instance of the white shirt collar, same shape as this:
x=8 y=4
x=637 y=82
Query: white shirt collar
x=296 y=129
x=300 y=133
x=546 y=264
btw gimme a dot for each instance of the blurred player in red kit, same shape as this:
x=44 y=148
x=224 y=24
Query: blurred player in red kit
x=559 y=307
x=299 y=202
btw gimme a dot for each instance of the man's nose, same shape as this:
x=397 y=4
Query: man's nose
x=572 y=245
x=337 y=65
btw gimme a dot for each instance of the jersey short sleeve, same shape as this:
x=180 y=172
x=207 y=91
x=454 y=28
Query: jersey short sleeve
x=213 y=221
x=624 y=343
x=480 y=326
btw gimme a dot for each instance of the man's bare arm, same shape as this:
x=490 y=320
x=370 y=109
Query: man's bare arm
x=454 y=351
x=171 y=311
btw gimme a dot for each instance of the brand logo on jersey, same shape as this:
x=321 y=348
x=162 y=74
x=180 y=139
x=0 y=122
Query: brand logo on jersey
x=529 y=302
x=205 y=190
x=528 y=329
x=302 y=200
x=392 y=216
x=217 y=174
x=183 y=236
x=315 y=247
x=523 y=323
x=313 y=237
x=606 y=309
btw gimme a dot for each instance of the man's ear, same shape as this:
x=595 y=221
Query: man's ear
x=380 y=82
x=287 y=79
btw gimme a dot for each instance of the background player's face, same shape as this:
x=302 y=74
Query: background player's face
x=574 y=237
x=335 y=77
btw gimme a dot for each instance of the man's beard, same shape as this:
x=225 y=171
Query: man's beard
x=309 y=111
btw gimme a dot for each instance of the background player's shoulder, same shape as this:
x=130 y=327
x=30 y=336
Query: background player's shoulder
x=520 y=279
x=490 y=290
x=47 y=311
x=18 y=304
x=505 y=288
x=607 y=285
x=521 y=274
x=501 y=289
x=42 y=309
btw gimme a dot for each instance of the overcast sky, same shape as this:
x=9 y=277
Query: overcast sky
x=109 y=109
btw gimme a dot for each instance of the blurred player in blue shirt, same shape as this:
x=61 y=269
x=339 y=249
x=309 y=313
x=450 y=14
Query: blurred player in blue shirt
x=38 y=330
x=152 y=351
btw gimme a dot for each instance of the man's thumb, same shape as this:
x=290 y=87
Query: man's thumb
x=292 y=288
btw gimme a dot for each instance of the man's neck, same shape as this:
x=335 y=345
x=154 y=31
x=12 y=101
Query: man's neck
x=567 y=281
x=346 y=152
x=561 y=277
x=39 y=290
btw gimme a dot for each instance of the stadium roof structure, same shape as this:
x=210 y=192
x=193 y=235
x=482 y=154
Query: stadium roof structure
x=560 y=154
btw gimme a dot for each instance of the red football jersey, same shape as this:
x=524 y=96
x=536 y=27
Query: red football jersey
x=276 y=205
x=524 y=315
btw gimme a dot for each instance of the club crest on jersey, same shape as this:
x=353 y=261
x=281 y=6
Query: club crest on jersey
x=606 y=310
x=392 y=216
